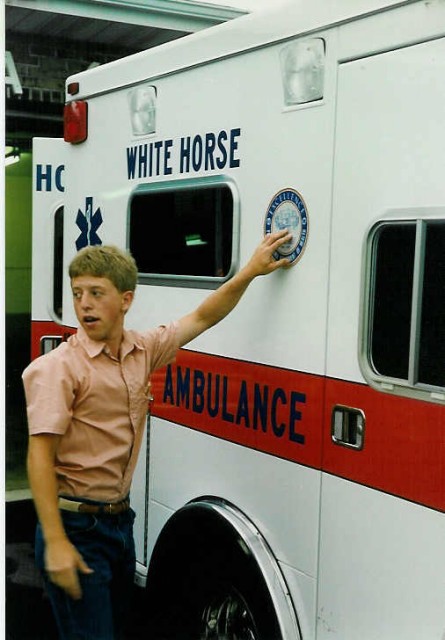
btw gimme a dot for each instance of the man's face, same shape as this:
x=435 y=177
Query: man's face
x=100 y=308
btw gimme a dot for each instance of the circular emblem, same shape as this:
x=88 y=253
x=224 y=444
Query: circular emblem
x=287 y=210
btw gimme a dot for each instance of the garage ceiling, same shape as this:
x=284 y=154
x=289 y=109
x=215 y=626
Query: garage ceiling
x=122 y=26
x=52 y=25
x=136 y=24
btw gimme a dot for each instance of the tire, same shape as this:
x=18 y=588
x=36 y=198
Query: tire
x=209 y=587
x=232 y=601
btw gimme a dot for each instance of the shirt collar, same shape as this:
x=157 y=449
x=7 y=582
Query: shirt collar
x=94 y=348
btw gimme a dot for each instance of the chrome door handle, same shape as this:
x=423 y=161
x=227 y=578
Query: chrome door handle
x=48 y=343
x=348 y=426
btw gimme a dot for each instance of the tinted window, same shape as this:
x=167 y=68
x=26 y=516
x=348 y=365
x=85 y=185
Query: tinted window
x=407 y=320
x=432 y=335
x=58 y=263
x=183 y=232
x=393 y=284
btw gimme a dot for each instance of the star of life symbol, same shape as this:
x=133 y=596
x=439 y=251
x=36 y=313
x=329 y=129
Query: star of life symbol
x=88 y=224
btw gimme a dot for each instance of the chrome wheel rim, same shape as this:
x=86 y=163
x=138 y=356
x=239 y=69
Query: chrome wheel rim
x=228 y=617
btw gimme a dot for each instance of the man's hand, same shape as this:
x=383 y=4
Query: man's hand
x=63 y=562
x=262 y=261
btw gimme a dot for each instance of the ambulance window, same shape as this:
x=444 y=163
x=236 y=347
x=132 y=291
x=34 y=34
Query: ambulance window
x=394 y=259
x=432 y=328
x=183 y=234
x=406 y=334
x=58 y=262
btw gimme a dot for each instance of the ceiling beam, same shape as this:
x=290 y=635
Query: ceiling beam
x=180 y=15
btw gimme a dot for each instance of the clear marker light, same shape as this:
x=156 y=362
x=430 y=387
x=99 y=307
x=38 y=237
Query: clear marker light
x=142 y=104
x=302 y=71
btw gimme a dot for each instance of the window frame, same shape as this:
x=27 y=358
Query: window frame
x=188 y=184
x=420 y=217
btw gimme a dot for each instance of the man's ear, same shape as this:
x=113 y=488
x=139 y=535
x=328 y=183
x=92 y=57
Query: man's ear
x=127 y=299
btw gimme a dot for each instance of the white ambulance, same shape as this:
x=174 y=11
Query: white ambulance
x=292 y=483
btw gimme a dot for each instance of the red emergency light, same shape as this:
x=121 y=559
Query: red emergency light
x=75 y=121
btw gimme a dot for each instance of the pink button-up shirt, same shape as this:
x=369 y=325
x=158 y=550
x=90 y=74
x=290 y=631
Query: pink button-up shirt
x=98 y=404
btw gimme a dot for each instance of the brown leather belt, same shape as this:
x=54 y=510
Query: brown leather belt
x=111 y=509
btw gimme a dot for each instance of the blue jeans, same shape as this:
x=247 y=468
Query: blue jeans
x=107 y=546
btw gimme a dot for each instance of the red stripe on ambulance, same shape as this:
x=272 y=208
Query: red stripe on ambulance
x=46 y=328
x=404 y=449
x=288 y=414
x=268 y=409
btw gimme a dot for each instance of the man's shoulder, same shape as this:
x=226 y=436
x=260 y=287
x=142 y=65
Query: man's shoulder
x=151 y=333
x=64 y=355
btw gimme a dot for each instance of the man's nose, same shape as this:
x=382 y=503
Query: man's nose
x=85 y=301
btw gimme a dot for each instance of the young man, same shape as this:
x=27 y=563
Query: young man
x=87 y=403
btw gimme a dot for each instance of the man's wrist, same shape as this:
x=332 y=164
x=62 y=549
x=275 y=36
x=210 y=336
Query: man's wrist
x=247 y=274
x=54 y=536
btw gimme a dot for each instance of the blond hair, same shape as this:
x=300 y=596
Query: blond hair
x=106 y=262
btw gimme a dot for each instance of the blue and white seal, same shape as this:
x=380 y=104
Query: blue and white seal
x=287 y=210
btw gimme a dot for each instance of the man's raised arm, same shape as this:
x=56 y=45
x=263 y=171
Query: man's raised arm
x=221 y=302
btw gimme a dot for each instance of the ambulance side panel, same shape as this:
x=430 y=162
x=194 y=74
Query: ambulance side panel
x=382 y=558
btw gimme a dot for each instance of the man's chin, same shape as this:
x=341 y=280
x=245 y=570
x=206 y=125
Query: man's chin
x=92 y=330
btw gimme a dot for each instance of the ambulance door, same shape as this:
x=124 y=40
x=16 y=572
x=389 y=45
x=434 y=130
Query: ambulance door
x=382 y=552
x=49 y=155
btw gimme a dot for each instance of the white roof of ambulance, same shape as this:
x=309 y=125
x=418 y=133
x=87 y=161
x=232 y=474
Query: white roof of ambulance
x=247 y=32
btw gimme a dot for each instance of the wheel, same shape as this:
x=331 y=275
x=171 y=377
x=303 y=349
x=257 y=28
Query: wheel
x=207 y=586
x=228 y=615
x=232 y=601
